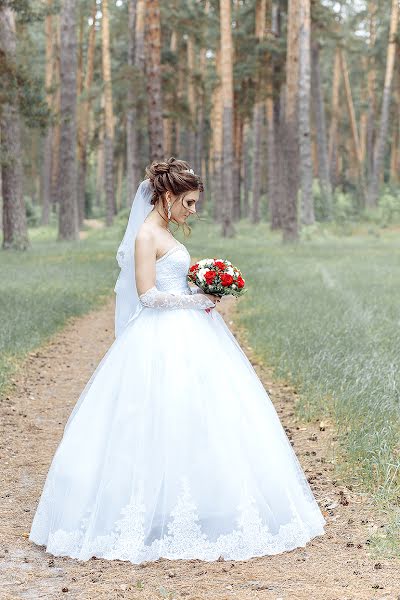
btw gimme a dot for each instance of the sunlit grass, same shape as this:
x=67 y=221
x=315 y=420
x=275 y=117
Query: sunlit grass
x=43 y=287
x=325 y=314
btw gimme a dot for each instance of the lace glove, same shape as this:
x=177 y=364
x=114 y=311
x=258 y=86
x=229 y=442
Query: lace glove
x=153 y=298
x=196 y=290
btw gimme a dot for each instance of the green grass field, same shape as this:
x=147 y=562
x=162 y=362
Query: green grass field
x=324 y=313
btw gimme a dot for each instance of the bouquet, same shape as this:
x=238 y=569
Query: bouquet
x=217 y=276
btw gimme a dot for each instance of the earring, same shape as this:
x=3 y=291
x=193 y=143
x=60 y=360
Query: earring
x=169 y=209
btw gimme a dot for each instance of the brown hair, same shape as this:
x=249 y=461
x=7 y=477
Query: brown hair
x=172 y=175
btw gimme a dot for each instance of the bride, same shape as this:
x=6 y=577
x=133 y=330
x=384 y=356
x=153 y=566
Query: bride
x=174 y=448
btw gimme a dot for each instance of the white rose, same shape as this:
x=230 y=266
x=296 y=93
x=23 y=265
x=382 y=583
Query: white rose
x=201 y=273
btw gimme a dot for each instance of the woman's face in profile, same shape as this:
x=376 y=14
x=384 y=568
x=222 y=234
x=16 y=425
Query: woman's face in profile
x=185 y=206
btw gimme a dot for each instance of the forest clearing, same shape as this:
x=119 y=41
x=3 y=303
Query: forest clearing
x=281 y=121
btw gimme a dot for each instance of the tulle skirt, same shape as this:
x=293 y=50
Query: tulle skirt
x=174 y=450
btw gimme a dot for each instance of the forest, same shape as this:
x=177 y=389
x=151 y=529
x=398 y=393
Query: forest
x=289 y=111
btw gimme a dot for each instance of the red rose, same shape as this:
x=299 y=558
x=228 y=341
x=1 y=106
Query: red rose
x=226 y=279
x=220 y=264
x=240 y=282
x=209 y=276
x=193 y=268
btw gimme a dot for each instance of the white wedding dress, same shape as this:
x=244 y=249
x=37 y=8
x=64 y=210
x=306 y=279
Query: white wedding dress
x=174 y=448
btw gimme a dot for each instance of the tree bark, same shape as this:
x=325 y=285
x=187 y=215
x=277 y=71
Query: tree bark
x=15 y=234
x=47 y=158
x=68 y=209
x=153 y=80
x=373 y=188
x=333 y=128
x=353 y=123
x=306 y=172
x=319 y=113
x=216 y=144
x=290 y=127
x=136 y=60
x=84 y=118
x=108 y=117
x=258 y=116
x=227 y=229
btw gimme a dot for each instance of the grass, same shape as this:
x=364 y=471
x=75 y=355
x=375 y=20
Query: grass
x=323 y=313
x=43 y=287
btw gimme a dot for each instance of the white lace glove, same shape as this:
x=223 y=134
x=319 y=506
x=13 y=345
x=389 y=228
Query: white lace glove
x=154 y=298
x=196 y=290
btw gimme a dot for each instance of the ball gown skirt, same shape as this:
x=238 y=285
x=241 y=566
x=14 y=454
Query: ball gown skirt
x=174 y=448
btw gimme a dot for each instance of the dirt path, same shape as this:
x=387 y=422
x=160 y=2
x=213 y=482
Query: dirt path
x=336 y=566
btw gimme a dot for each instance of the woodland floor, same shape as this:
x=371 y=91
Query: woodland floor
x=336 y=566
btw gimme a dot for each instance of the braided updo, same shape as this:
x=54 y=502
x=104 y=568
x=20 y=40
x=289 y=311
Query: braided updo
x=172 y=175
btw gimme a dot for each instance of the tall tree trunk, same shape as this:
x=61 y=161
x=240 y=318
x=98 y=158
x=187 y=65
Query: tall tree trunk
x=371 y=82
x=373 y=188
x=135 y=96
x=68 y=209
x=190 y=52
x=15 y=234
x=237 y=159
x=216 y=144
x=100 y=159
x=55 y=161
x=395 y=143
x=319 y=112
x=306 y=172
x=47 y=158
x=272 y=106
x=353 y=124
x=333 y=128
x=109 y=117
x=227 y=229
x=247 y=138
x=84 y=118
x=290 y=126
x=153 y=76
x=258 y=115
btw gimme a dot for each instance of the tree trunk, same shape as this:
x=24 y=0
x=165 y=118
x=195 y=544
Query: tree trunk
x=47 y=158
x=216 y=144
x=135 y=96
x=290 y=126
x=319 y=112
x=68 y=209
x=84 y=119
x=15 y=234
x=153 y=77
x=247 y=138
x=371 y=82
x=55 y=162
x=258 y=115
x=373 y=188
x=108 y=117
x=353 y=124
x=227 y=229
x=306 y=172
x=237 y=160
x=333 y=128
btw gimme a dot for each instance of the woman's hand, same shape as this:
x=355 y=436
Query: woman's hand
x=213 y=298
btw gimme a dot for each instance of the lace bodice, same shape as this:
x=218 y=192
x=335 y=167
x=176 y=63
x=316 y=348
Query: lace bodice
x=172 y=268
x=171 y=290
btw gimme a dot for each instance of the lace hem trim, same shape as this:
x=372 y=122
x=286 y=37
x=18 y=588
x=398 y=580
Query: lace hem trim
x=185 y=538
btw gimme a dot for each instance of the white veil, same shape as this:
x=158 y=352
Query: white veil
x=127 y=298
